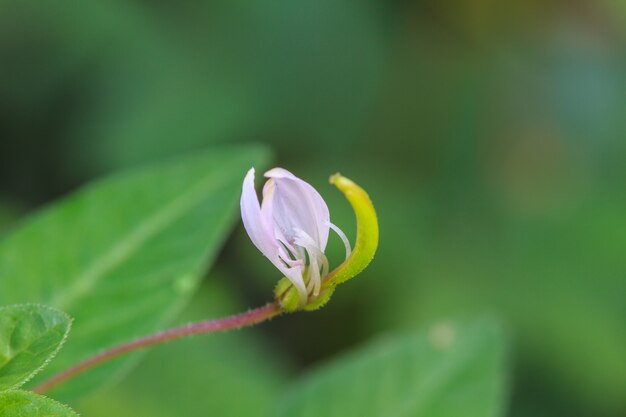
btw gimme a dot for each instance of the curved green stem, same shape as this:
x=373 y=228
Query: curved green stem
x=248 y=318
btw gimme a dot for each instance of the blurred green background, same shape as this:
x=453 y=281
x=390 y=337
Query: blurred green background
x=491 y=135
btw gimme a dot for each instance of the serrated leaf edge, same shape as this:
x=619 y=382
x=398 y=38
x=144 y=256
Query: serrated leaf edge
x=51 y=355
x=63 y=406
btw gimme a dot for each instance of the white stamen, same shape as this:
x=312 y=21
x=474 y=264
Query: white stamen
x=288 y=251
x=343 y=237
x=316 y=256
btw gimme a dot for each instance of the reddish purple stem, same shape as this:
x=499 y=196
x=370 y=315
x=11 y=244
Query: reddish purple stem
x=209 y=326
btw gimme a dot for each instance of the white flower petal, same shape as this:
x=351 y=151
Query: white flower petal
x=258 y=222
x=297 y=205
x=267 y=215
x=290 y=227
x=259 y=231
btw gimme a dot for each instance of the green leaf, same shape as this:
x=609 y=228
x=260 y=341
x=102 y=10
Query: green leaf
x=446 y=371
x=124 y=254
x=27 y=404
x=30 y=335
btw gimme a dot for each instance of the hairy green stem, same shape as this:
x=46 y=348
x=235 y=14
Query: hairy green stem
x=248 y=318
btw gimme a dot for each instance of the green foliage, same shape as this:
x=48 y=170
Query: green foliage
x=548 y=259
x=123 y=254
x=30 y=335
x=446 y=371
x=490 y=136
x=27 y=404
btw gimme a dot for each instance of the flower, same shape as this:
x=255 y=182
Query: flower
x=290 y=228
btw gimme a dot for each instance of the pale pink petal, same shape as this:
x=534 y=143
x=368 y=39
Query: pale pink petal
x=259 y=231
x=297 y=205
x=258 y=222
x=267 y=216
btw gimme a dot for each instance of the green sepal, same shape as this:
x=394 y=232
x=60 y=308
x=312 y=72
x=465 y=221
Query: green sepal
x=366 y=233
x=287 y=296
x=319 y=301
